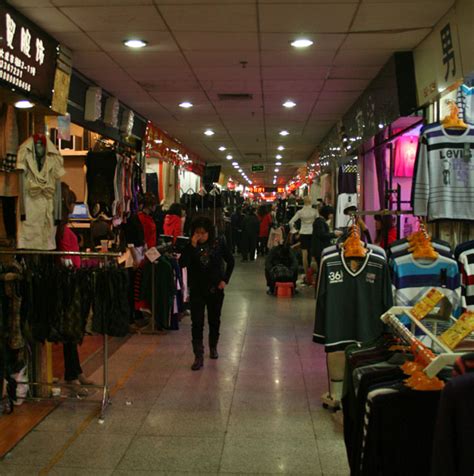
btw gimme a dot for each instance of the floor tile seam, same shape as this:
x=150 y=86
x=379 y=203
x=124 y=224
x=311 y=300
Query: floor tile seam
x=88 y=420
x=233 y=395
x=311 y=415
x=148 y=413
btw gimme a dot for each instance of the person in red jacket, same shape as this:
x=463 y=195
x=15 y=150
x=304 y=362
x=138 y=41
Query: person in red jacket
x=174 y=221
x=265 y=223
x=386 y=233
x=146 y=219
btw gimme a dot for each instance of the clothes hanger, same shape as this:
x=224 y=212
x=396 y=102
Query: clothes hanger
x=421 y=246
x=353 y=246
x=452 y=121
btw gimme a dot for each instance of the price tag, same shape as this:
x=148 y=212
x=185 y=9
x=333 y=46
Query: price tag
x=459 y=331
x=152 y=254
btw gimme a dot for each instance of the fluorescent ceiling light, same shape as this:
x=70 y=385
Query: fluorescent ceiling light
x=289 y=104
x=284 y=133
x=278 y=163
x=158 y=141
x=209 y=132
x=235 y=163
x=222 y=148
x=301 y=43
x=135 y=43
x=229 y=157
x=24 y=104
x=278 y=156
x=186 y=105
x=280 y=147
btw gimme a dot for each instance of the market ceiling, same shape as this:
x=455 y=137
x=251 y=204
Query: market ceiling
x=199 y=50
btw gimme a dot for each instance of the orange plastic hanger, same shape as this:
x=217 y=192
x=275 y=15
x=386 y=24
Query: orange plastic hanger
x=452 y=121
x=353 y=246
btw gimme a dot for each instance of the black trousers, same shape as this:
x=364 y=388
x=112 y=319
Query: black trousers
x=249 y=246
x=72 y=366
x=263 y=245
x=213 y=301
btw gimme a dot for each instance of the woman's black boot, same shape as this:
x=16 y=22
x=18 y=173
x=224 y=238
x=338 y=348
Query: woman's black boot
x=198 y=363
x=198 y=349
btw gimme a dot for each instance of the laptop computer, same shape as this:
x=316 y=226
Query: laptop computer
x=80 y=212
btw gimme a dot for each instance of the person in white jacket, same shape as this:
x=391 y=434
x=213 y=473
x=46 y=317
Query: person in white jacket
x=307 y=215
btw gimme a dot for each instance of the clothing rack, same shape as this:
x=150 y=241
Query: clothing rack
x=105 y=256
x=443 y=359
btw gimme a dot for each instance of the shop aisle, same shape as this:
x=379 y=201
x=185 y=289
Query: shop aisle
x=255 y=410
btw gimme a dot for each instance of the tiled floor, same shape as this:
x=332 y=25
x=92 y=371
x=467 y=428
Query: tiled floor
x=254 y=411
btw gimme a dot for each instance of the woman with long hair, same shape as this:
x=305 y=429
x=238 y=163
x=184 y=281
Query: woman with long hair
x=210 y=264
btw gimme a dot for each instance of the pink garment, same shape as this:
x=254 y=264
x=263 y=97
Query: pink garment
x=69 y=242
x=405 y=155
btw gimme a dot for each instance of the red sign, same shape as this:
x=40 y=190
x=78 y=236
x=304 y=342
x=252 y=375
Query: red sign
x=159 y=145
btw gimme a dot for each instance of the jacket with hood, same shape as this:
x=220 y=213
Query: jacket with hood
x=173 y=226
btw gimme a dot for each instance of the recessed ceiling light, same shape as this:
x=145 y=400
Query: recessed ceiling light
x=240 y=170
x=278 y=156
x=229 y=157
x=235 y=163
x=222 y=148
x=186 y=105
x=278 y=163
x=209 y=132
x=280 y=147
x=284 y=133
x=289 y=104
x=301 y=43
x=24 y=104
x=277 y=170
x=135 y=43
x=158 y=141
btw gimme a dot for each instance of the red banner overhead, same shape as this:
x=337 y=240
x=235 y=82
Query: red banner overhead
x=159 y=145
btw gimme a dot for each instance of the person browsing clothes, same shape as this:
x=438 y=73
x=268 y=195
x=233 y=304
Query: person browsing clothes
x=210 y=264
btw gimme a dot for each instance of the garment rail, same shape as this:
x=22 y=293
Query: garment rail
x=106 y=257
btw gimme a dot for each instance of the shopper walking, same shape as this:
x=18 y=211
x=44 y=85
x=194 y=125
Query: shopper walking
x=236 y=223
x=250 y=232
x=385 y=232
x=322 y=235
x=265 y=223
x=66 y=240
x=210 y=264
x=307 y=215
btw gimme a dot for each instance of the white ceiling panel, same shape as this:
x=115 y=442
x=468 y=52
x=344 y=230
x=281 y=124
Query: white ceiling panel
x=76 y=41
x=141 y=59
x=295 y=72
x=346 y=84
x=398 y=15
x=93 y=60
x=160 y=73
x=30 y=3
x=170 y=86
x=289 y=86
x=221 y=59
x=290 y=58
x=50 y=19
x=306 y=18
x=122 y=19
x=372 y=57
x=158 y=41
x=98 y=73
x=217 y=41
x=250 y=73
x=100 y=3
x=330 y=107
x=281 y=42
x=214 y=17
x=390 y=41
x=354 y=72
x=233 y=87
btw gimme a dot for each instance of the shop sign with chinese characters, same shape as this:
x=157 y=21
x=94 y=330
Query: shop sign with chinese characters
x=27 y=56
x=438 y=62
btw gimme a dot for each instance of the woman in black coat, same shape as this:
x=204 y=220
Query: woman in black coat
x=322 y=235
